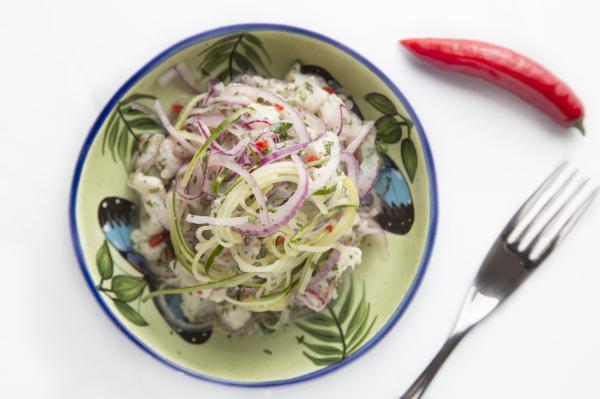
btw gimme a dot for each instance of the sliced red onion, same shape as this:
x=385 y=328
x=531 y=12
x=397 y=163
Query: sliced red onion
x=339 y=131
x=286 y=211
x=254 y=93
x=224 y=222
x=325 y=172
x=142 y=108
x=203 y=129
x=248 y=124
x=185 y=75
x=164 y=120
x=313 y=300
x=369 y=167
x=257 y=151
x=210 y=120
x=227 y=162
x=272 y=135
x=325 y=269
x=284 y=152
x=184 y=192
x=352 y=166
x=360 y=137
x=166 y=77
x=210 y=93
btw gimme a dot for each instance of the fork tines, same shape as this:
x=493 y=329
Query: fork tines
x=549 y=214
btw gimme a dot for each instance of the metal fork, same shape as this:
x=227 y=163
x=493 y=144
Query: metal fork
x=513 y=257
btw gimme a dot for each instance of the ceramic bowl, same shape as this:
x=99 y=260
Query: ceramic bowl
x=372 y=299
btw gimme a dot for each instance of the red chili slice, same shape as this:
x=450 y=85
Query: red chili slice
x=262 y=144
x=329 y=89
x=311 y=158
x=176 y=108
x=505 y=68
x=157 y=239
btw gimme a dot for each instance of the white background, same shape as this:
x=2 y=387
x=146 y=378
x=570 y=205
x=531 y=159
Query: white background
x=62 y=61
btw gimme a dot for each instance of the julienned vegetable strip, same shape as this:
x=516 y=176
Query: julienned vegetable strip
x=226 y=282
x=505 y=68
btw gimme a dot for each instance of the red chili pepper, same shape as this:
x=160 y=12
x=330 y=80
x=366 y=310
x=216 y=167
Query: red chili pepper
x=279 y=107
x=157 y=239
x=329 y=228
x=176 y=108
x=311 y=158
x=262 y=144
x=199 y=292
x=329 y=89
x=279 y=240
x=507 y=69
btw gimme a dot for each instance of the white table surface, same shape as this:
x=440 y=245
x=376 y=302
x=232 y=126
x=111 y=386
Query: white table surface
x=62 y=61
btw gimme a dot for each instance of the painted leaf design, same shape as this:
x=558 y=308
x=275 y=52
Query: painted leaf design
x=321 y=334
x=324 y=361
x=130 y=313
x=104 y=262
x=120 y=135
x=123 y=145
x=127 y=288
x=255 y=41
x=113 y=133
x=144 y=123
x=228 y=56
x=389 y=130
x=381 y=103
x=339 y=330
x=242 y=62
x=136 y=97
x=347 y=304
x=111 y=120
x=409 y=157
x=321 y=319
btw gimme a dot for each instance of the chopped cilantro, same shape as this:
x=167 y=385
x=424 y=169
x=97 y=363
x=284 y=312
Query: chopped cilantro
x=328 y=147
x=154 y=190
x=260 y=100
x=308 y=87
x=267 y=351
x=281 y=129
x=150 y=203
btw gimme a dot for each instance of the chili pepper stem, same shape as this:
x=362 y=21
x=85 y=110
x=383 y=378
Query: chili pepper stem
x=580 y=127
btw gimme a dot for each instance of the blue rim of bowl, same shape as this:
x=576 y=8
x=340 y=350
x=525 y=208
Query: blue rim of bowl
x=155 y=62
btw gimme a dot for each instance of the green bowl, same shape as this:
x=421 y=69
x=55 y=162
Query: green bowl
x=371 y=300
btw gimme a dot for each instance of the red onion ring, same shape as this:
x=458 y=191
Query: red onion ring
x=210 y=93
x=286 y=211
x=279 y=154
x=341 y=120
x=248 y=124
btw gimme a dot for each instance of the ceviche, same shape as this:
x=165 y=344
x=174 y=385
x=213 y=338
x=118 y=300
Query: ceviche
x=251 y=198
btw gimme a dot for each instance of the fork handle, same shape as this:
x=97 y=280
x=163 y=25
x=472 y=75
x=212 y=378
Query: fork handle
x=418 y=387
